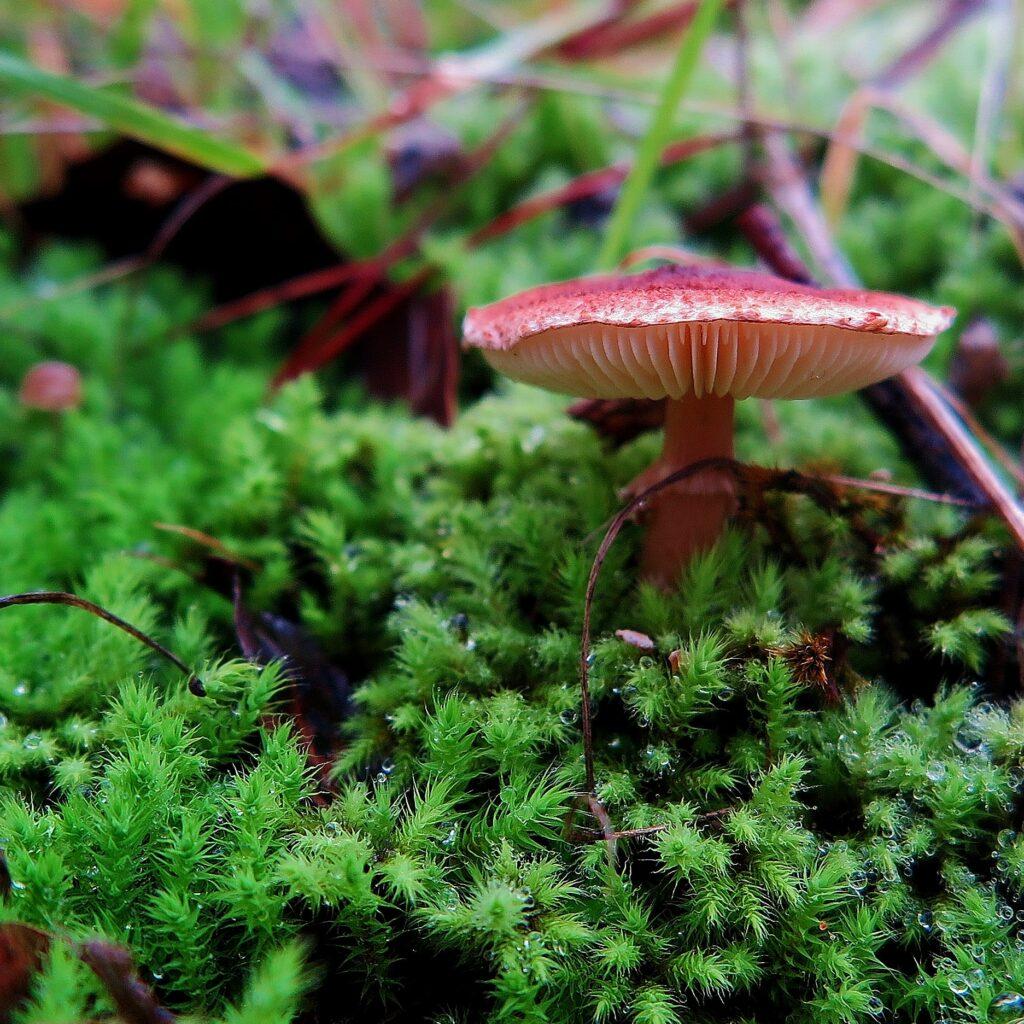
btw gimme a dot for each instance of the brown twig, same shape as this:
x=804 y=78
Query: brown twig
x=995 y=449
x=74 y=601
x=911 y=402
x=896 y=490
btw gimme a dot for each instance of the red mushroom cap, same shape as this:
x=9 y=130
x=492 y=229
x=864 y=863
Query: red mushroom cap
x=51 y=387
x=703 y=330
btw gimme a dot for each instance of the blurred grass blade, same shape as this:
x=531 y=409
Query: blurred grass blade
x=840 y=164
x=130 y=117
x=658 y=132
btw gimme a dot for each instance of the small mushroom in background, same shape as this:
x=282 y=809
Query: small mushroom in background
x=978 y=365
x=700 y=337
x=51 y=387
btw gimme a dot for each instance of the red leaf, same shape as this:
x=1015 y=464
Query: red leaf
x=21 y=954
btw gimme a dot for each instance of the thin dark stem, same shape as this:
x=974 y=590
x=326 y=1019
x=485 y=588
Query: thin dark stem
x=73 y=601
x=183 y=213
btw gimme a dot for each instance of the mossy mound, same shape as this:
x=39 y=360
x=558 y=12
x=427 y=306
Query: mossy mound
x=805 y=858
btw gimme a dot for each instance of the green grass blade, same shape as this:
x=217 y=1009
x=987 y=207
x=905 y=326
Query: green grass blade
x=129 y=116
x=658 y=134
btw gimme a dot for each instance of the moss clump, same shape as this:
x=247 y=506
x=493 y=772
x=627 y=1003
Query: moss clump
x=813 y=860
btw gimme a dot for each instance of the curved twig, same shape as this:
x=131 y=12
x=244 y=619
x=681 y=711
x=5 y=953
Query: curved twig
x=74 y=601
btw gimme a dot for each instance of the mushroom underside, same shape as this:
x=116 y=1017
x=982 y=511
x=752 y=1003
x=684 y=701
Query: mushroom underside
x=741 y=359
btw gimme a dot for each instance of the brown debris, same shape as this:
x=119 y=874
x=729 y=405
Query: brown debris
x=318 y=692
x=619 y=419
x=810 y=658
x=641 y=641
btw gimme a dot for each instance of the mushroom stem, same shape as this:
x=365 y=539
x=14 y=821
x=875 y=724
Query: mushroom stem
x=688 y=518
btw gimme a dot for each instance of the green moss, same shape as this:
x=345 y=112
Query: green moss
x=815 y=862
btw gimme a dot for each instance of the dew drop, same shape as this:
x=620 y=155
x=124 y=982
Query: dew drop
x=1007 y=1004
x=959 y=985
x=966 y=742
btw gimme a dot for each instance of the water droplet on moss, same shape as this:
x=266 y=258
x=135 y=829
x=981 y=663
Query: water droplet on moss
x=1007 y=1004
x=569 y=716
x=926 y=919
x=959 y=985
x=967 y=742
x=936 y=771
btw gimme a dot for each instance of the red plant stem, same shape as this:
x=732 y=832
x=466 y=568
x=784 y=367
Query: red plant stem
x=348 y=300
x=351 y=332
x=614 y=35
x=590 y=184
x=287 y=291
x=368 y=270
x=995 y=449
x=926 y=48
x=764 y=232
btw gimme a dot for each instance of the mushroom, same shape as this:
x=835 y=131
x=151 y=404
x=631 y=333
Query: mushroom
x=51 y=387
x=700 y=337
